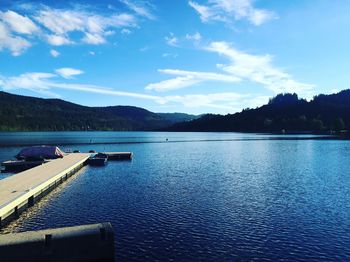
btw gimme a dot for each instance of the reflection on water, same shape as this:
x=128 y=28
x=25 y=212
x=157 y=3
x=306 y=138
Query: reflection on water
x=239 y=197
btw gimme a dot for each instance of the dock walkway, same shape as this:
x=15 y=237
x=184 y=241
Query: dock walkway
x=20 y=191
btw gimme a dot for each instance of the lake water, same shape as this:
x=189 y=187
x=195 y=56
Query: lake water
x=204 y=196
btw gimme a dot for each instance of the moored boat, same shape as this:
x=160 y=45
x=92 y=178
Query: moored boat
x=98 y=159
x=30 y=157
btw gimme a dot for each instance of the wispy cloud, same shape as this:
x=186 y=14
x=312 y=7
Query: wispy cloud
x=58 y=40
x=215 y=100
x=15 y=44
x=187 y=78
x=140 y=8
x=13 y=29
x=54 y=53
x=228 y=102
x=171 y=40
x=258 y=69
x=144 y=49
x=34 y=81
x=195 y=37
x=241 y=67
x=68 y=72
x=18 y=23
x=169 y=55
x=206 y=13
x=94 y=27
x=48 y=83
x=126 y=31
x=227 y=10
x=44 y=83
x=79 y=25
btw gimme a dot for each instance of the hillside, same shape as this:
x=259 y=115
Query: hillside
x=22 y=113
x=283 y=112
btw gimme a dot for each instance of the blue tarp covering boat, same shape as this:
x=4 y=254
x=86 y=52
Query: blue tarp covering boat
x=40 y=152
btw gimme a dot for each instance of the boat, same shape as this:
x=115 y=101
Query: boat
x=98 y=159
x=30 y=157
x=37 y=153
x=21 y=165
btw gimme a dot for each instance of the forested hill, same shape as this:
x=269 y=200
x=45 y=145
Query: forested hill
x=22 y=113
x=284 y=112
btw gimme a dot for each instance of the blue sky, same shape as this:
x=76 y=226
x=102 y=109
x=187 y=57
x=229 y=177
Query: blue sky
x=197 y=56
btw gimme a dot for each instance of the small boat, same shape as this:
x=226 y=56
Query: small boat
x=30 y=157
x=21 y=165
x=98 y=159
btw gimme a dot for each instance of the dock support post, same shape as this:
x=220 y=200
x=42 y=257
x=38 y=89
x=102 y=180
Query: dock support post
x=16 y=212
x=31 y=201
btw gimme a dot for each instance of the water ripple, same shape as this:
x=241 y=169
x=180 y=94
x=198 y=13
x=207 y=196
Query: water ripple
x=265 y=200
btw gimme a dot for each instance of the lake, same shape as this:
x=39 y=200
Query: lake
x=204 y=196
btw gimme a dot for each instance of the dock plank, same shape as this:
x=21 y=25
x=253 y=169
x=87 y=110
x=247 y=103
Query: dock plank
x=28 y=182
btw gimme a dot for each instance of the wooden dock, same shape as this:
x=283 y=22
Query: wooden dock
x=119 y=155
x=22 y=190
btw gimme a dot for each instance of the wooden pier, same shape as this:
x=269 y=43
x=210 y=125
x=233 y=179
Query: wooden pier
x=119 y=155
x=22 y=190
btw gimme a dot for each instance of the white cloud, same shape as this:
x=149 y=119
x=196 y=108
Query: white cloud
x=57 y=27
x=258 y=69
x=58 y=40
x=61 y=22
x=171 y=40
x=206 y=13
x=29 y=81
x=195 y=37
x=144 y=49
x=139 y=8
x=43 y=83
x=68 y=72
x=188 y=78
x=258 y=17
x=169 y=55
x=242 y=67
x=93 y=39
x=227 y=101
x=110 y=32
x=54 y=53
x=125 y=31
x=226 y=10
x=47 y=84
x=173 y=84
x=16 y=44
x=92 y=53
x=94 y=27
x=18 y=23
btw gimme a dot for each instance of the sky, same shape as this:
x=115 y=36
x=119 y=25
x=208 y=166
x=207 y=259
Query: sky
x=191 y=56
